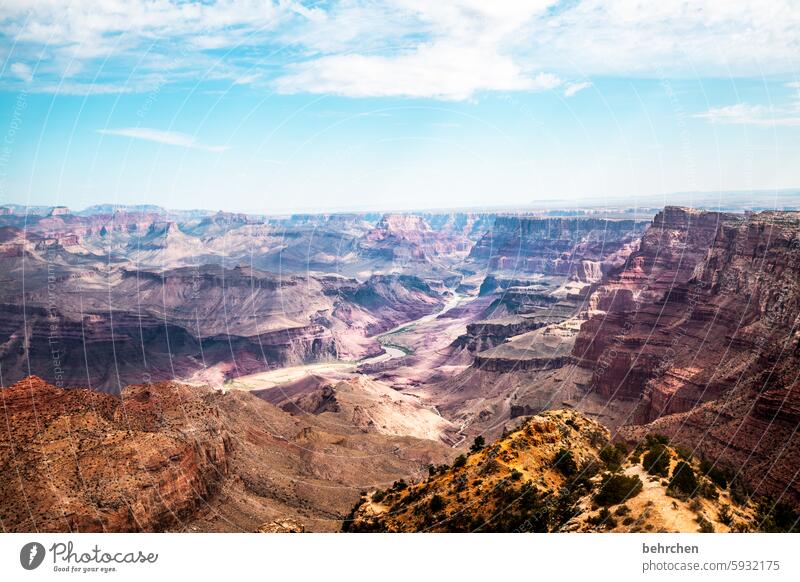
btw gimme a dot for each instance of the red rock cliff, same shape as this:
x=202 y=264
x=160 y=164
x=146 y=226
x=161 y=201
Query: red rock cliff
x=62 y=453
x=701 y=328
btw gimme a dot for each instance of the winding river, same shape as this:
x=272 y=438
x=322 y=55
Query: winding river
x=273 y=378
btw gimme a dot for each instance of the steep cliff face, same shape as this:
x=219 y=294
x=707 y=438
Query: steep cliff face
x=582 y=248
x=110 y=349
x=409 y=237
x=483 y=335
x=471 y=225
x=707 y=312
x=85 y=461
x=643 y=317
x=384 y=301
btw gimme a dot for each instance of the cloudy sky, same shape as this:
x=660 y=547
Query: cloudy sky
x=376 y=104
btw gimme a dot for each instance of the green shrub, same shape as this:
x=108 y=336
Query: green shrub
x=565 y=462
x=378 y=496
x=656 y=460
x=725 y=515
x=583 y=478
x=612 y=456
x=739 y=493
x=705 y=525
x=515 y=475
x=603 y=519
x=616 y=488
x=708 y=490
x=460 y=461
x=477 y=444
x=436 y=504
x=489 y=467
x=654 y=439
x=683 y=452
x=565 y=508
x=683 y=479
x=717 y=474
x=776 y=517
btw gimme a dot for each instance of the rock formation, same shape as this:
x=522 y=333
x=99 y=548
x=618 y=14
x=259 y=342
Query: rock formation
x=582 y=248
x=79 y=460
x=556 y=472
x=167 y=456
x=699 y=330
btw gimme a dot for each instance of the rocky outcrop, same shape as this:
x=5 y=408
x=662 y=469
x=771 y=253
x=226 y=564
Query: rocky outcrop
x=282 y=526
x=392 y=299
x=482 y=492
x=409 y=237
x=82 y=461
x=579 y=248
x=494 y=283
x=632 y=334
x=146 y=325
x=167 y=456
x=494 y=363
x=111 y=349
x=557 y=472
x=546 y=347
x=700 y=330
x=483 y=335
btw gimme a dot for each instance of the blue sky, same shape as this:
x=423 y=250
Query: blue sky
x=397 y=104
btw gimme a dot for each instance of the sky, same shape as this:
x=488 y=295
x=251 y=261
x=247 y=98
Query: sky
x=270 y=107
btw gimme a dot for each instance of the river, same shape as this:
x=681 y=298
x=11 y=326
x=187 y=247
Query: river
x=273 y=378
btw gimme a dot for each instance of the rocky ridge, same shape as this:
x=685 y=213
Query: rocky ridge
x=558 y=471
x=167 y=456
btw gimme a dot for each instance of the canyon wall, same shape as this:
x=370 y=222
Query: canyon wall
x=582 y=248
x=171 y=457
x=699 y=330
x=83 y=461
x=106 y=331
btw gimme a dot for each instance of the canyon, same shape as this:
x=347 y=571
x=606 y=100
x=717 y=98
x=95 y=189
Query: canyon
x=242 y=372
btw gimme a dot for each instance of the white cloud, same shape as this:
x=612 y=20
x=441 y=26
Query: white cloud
x=129 y=39
x=576 y=87
x=513 y=41
x=83 y=89
x=759 y=115
x=449 y=50
x=172 y=138
x=95 y=27
x=22 y=71
x=247 y=79
x=669 y=38
x=443 y=71
x=415 y=48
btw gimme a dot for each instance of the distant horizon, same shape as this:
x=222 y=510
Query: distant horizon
x=646 y=202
